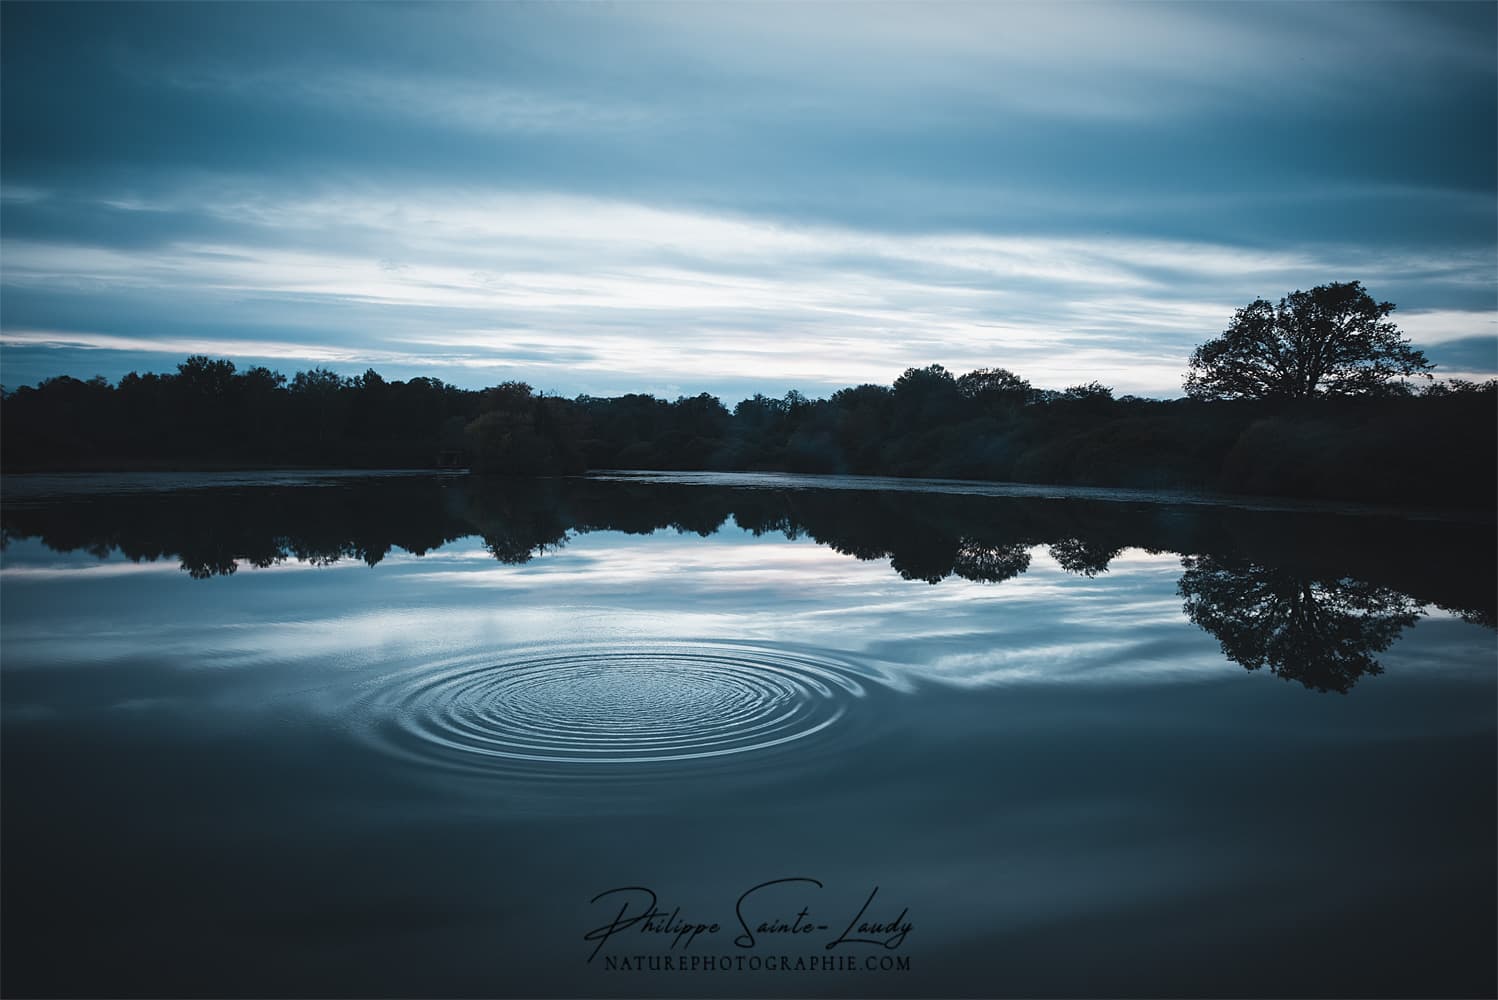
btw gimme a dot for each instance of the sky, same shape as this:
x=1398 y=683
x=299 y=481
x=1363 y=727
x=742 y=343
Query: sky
x=733 y=198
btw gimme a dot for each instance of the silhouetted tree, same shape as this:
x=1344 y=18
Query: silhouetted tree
x=1321 y=632
x=1090 y=391
x=860 y=425
x=1332 y=340
x=203 y=376
x=925 y=397
x=1441 y=388
x=994 y=389
x=988 y=424
x=319 y=397
x=518 y=433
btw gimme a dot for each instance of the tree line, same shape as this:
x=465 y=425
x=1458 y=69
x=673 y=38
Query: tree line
x=1308 y=398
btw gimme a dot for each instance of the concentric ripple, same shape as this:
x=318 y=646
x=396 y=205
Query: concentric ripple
x=610 y=704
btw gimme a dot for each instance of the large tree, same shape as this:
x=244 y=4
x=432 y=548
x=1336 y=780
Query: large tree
x=1333 y=340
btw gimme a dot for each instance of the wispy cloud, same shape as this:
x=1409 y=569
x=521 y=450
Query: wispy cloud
x=562 y=287
x=731 y=198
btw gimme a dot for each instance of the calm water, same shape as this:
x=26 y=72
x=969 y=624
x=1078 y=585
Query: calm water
x=293 y=734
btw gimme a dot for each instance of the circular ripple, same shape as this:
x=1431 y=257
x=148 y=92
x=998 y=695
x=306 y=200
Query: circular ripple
x=608 y=705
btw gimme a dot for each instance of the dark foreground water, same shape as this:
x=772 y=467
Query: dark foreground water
x=416 y=736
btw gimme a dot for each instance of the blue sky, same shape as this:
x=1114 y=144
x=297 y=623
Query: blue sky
x=733 y=198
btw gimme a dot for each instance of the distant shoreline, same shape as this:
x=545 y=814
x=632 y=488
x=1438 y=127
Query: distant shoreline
x=780 y=479
x=1395 y=449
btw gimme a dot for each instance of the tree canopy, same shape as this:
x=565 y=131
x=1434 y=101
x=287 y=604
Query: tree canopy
x=1333 y=340
x=986 y=424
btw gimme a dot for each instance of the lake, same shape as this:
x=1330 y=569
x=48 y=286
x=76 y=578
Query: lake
x=430 y=735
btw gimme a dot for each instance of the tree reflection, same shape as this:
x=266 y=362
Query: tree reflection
x=990 y=563
x=1335 y=597
x=1077 y=555
x=1322 y=632
x=919 y=552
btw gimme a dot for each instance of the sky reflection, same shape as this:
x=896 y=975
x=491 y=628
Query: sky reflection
x=1045 y=626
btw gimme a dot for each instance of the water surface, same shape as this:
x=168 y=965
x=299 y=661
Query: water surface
x=339 y=734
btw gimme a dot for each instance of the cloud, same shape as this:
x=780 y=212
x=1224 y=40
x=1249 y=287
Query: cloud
x=1440 y=326
x=731 y=198
x=1470 y=358
x=590 y=290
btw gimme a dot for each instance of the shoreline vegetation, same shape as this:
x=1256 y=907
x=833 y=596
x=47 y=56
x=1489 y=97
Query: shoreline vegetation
x=1309 y=398
x=1395 y=446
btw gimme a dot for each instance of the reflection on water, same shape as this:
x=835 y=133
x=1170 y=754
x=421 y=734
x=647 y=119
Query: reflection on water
x=1320 y=632
x=1312 y=595
x=389 y=735
x=613 y=705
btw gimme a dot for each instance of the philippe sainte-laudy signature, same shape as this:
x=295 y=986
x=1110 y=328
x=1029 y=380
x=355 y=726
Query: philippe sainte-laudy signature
x=780 y=910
